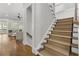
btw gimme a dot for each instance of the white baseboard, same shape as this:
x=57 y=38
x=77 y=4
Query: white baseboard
x=26 y=43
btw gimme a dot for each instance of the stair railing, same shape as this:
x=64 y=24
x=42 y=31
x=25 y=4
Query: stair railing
x=52 y=9
x=76 y=23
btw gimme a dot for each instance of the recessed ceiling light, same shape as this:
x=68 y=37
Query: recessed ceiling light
x=6 y=15
x=9 y=3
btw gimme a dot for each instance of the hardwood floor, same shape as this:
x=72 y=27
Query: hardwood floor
x=23 y=50
x=9 y=47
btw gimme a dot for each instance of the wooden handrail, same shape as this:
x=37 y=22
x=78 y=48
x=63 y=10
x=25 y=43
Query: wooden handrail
x=29 y=34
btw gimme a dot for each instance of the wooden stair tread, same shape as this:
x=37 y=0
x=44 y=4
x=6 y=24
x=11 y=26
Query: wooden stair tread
x=65 y=31
x=62 y=31
x=64 y=24
x=60 y=42
x=60 y=50
x=62 y=27
x=64 y=43
x=66 y=19
x=45 y=53
x=61 y=36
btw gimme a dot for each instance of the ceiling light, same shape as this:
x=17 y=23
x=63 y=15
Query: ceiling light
x=9 y=3
x=6 y=15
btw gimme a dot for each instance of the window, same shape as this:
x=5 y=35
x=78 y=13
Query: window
x=3 y=25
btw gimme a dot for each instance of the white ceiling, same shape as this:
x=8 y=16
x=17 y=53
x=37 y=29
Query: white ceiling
x=10 y=11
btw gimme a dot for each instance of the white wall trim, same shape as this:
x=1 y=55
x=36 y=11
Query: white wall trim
x=33 y=30
x=24 y=43
x=25 y=40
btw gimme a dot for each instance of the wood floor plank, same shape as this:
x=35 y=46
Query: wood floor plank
x=9 y=47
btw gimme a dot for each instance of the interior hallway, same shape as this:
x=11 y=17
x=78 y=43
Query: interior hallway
x=9 y=47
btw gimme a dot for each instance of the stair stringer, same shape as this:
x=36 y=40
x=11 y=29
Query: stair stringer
x=44 y=38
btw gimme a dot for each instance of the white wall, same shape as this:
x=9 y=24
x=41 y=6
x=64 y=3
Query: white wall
x=29 y=20
x=64 y=10
x=42 y=19
x=27 y=23
x=78 y=12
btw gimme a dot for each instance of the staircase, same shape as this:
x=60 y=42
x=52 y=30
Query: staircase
x=60 y=39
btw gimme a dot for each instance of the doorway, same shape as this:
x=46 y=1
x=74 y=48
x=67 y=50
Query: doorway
x=29 y=24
